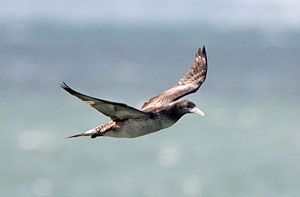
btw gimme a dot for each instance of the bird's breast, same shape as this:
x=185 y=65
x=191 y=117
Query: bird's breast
x=138 y=127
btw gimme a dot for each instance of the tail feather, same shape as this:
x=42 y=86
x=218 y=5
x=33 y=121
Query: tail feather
x=86 y=133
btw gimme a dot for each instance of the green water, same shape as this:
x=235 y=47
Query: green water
x=236 y=150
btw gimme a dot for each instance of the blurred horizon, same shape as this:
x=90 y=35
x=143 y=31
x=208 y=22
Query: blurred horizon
x=31 y=48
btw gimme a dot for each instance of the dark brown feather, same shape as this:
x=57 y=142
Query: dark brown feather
x=189 y=83
x=116 y=111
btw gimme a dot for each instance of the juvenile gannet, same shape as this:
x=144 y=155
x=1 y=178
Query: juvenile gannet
x=158 y=113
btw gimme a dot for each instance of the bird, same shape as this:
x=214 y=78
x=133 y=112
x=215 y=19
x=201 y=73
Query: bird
x=159 y=112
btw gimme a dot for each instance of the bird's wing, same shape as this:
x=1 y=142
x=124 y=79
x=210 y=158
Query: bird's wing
x=116 y=111
x=189 y=83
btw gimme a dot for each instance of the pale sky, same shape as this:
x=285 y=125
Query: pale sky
x=218 y=12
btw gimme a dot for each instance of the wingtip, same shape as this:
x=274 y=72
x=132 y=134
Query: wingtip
x=63 y=85
x=202 y=51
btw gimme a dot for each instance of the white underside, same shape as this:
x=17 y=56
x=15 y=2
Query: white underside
x=136 y=128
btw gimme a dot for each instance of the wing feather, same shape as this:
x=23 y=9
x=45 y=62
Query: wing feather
x=188 y=84
x=112 y=109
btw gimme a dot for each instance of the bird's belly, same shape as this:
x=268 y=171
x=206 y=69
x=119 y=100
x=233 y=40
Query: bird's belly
x=137 y=127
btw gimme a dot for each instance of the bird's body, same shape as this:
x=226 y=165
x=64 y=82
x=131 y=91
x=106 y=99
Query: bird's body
x=131 y=128
x=159 y=112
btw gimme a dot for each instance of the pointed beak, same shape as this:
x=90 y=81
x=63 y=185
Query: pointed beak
x=197 y=111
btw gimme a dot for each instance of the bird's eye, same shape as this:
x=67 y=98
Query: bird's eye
x=191 y=105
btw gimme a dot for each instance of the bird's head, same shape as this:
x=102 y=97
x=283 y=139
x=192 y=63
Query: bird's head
x=186 y=106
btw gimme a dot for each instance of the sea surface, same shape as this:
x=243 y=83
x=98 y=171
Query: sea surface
x=248 y=144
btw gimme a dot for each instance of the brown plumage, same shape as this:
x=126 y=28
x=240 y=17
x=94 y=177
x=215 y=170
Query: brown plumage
x=157 y=113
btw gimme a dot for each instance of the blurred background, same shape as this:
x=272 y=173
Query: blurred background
x=129 y=51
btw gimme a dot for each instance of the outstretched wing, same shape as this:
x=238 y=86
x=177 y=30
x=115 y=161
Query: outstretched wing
x=189 y=83
x=116 y=111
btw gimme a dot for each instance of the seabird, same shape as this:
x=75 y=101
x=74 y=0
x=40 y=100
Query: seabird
x=158 y=113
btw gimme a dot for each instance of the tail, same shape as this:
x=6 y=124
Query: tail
x=86 y=133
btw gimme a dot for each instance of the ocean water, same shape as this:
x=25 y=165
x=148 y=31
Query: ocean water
x=246 y=145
